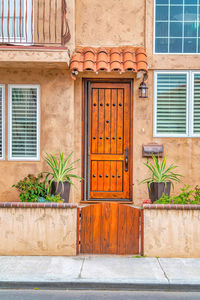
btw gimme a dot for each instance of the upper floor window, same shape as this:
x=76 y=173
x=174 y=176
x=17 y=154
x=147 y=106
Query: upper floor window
x=16 y=21
x=177 y=26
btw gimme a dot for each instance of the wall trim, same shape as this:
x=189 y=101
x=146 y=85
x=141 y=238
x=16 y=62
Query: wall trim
x=37 y=205
x=172 y=206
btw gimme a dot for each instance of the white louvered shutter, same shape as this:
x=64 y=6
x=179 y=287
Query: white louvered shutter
x=196 y=107
x=24 y=123
x=171 y=110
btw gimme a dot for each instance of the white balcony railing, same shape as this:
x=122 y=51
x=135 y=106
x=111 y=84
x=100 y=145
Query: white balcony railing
x=34 y=22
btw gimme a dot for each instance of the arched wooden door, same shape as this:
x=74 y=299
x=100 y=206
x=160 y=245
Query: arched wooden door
x=108 y=141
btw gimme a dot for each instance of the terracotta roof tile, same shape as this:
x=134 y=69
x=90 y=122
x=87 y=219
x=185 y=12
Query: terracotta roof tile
x=120 y=59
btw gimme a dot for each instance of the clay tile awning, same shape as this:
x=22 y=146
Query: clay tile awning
x=116 y=59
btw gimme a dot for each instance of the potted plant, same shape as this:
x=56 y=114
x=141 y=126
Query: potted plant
x=60 y=175
x=161 y=178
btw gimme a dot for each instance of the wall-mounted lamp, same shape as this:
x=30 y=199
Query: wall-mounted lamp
x=143 y=88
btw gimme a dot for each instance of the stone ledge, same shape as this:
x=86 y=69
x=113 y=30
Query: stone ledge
x=172 y=206
x=45 y=48
x=37 y=205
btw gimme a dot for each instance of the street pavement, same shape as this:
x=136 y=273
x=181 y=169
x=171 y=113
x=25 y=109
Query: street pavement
x=100 y=273
x=97 y=295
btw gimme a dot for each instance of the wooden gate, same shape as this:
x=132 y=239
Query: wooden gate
x=109 y=228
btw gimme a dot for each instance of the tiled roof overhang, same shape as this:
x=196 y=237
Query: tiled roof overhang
x=115 y=59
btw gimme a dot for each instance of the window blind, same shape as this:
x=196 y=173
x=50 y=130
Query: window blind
x=24 y=122
x=196 y=106
x=1 y=122
x=171 y=114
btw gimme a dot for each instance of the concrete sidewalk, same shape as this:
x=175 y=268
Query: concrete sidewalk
x=99 y=272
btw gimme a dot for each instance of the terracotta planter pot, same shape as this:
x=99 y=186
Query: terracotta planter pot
x=62 y=188
x=157 y=189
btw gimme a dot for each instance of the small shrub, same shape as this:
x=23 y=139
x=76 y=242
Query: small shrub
x=31 y=188
x=54 y=198
x=187 y=196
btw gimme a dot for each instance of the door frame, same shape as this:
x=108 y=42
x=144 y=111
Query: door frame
x=84 y=139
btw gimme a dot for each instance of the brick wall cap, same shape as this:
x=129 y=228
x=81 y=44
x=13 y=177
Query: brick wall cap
x=37 y=205
x=172 y=206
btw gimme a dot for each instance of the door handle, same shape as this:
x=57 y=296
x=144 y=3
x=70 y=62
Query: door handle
x=126 y=159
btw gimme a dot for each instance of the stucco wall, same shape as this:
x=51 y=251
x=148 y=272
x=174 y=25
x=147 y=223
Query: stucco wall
x=131 y=22
x=39 y=231
x=172 y=233
x=57 y=122
x=101 y=23
x=184 y=152
x=30 y=58
x=108 y=23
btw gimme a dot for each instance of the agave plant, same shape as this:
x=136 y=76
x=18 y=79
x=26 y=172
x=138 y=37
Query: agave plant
x=61 y=169
x=159 y=172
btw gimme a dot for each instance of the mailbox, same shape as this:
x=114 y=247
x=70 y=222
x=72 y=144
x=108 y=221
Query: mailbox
x=156 y=149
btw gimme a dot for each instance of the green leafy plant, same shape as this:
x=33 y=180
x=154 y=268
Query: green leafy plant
x=187 y=196
x=31 y=188
x=61 y=169
x=160 y=173
x=54 y=198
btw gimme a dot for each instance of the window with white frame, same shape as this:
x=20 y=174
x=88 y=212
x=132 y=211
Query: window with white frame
x=177 y=104
x=24 y=122
x=177 y=26
x=16 y=21
x=2 y=125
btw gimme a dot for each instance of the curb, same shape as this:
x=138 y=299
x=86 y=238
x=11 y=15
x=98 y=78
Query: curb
x=99 y=286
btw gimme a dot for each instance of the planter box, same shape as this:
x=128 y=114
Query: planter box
x=38 y=229
x=157 y=189
x=171 y=230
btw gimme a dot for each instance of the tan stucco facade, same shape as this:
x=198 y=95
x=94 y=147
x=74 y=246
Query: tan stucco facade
x=57 y=121
x=102 y=23
x=39 y=231
x=132 y=23
x=171 y=233
x=110 y=23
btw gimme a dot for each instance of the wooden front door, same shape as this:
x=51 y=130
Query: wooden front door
x=108 y=145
